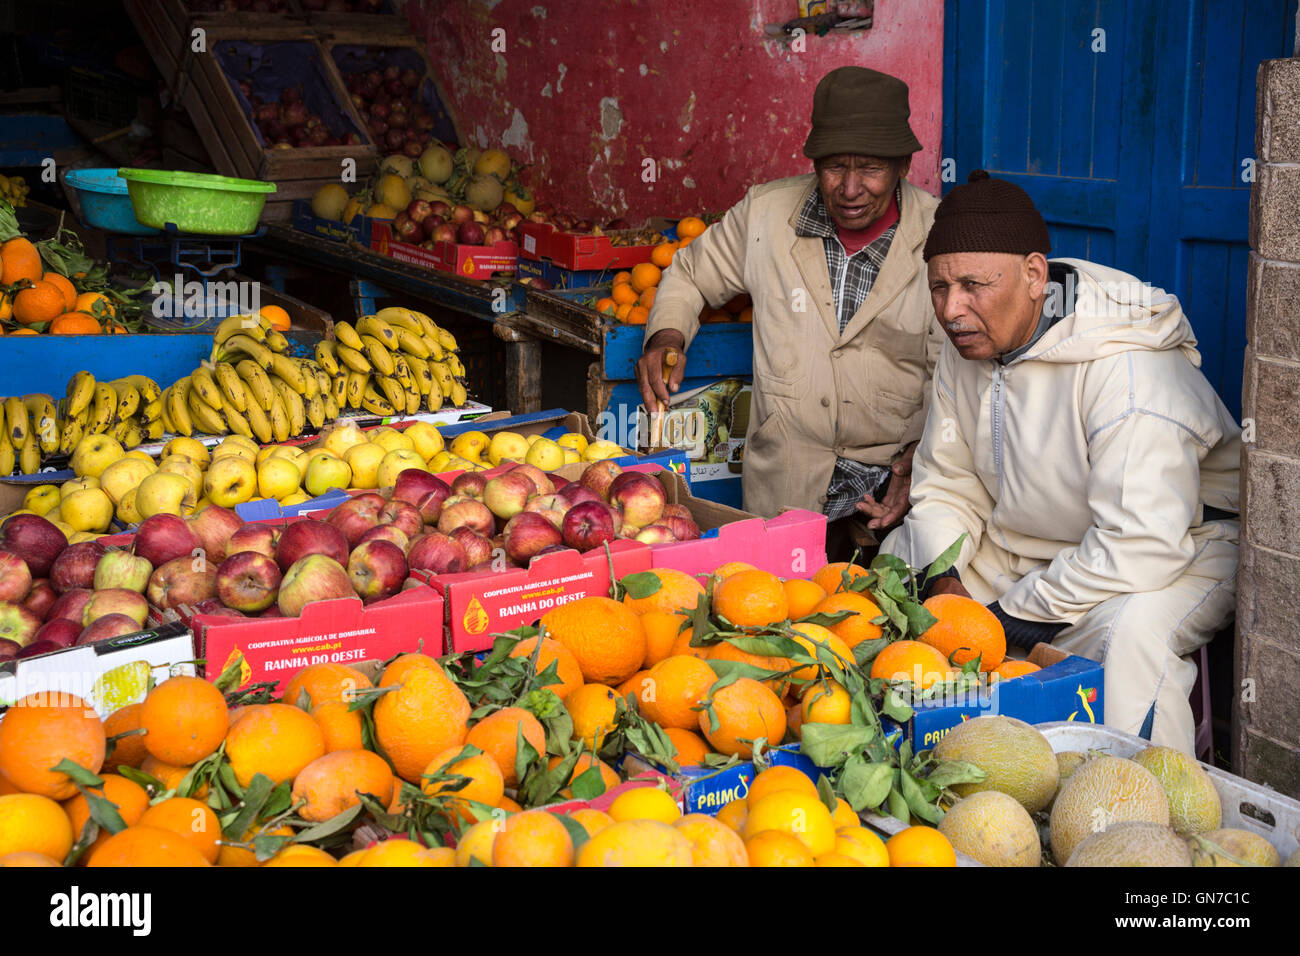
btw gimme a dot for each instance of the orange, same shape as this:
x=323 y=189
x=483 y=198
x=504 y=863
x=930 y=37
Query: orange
x=801 y=814
x=497 y=736
x=751 y=599
x=532 y=838
x=185 y=719
x=605 y=636
x=623 y=277
x=566 y=668
x=726 y=651
x=277 y=316
x=592 y=708
x=131 y=800
x=425 y=717
x=623 y=311
x=645 y=275
x=41 y=729
x=169 y=775
x=836 y=859
x=637 y=315
x=645 y=803
x=584 y=763
x=127 y=751
x=341 y=727
x=74 y=323
x=678 y=685
x=96 y=304
x=324 y=682
x=30 y=823
x=21 y=260
x=777 y=778
x=191 y=819
x=592 y=820
x=691 y=748
x=485 y=783
x=146 y=846
x=476 y=843
x=64 y=285
x=911 y=661
x=733 y=813
x=27 y=859
x=802 y=597
x=812 y=637
x=861 y=844
x=678 y=593
x=332 y=783
x=825 y=703
x=623 y=294
x=508 y=805
x=964 y=630
x=661 y=631
x=398 y=852
x=39 y=302
x=299 y=854
x=275 y=740
x=730 y=568
x=638 y=843
x=777 y=848
x=920 y=846
x=606 y=305
x=682 y=646
x=714 y=843
x=240 y=856
x=857 y=627
x=843 y=815
x=647 y=298
x=690 y=227
x=831 y=578
x=636 y=685
x=1012 y=669
x=662 y=254
x=746 y=711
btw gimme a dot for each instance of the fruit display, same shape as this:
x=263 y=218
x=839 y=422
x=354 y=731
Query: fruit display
x=389 y=101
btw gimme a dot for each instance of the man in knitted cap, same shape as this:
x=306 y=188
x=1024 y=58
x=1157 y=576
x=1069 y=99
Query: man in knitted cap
x=1075 y=442
x=844 y=337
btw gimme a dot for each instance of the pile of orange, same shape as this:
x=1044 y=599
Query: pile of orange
x=633 y=292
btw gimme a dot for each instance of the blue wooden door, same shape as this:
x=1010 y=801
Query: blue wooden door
x=1131 y=124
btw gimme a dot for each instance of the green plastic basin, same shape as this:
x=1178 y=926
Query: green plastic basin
x=196 y=202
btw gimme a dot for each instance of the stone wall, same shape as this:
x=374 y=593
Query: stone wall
x=1266 y=717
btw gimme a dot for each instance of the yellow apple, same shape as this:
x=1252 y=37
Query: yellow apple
x=191 y=448
x=396 y=462
x=364 y=461
x=241 y=440
x=234 y=451
x=390 y=439
x=126 y=510
x=470 y=445
x=340 y=438
x=571 y=457
x=89 y=510
x=180 y=465
x=297 y=498
x=295 y=453
x=506 y=445
x=440 y=462
x=545 y=454
x=230 y=480
x=325 y=472
x=572 y=440
x=124 y=474
x=427 y=439
x=76 y=484
x=602 y=449
x=278 y=478
x=42 y=499
x=141 y=454
x=67 y=529
x=94 y=453
x=164 y=492
x=533 y=437
x=265 y=452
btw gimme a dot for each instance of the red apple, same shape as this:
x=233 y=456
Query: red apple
x=477 y=547
x=313 y=577
x=540 y=479
x=469 y=234
x=414 y=484
x=575 y=494
x=678 y=511
x=527 y=533
x=598 y=477
x=587 y=525
x=403 y=515
x=119 y=601
x=62 y=631
x=460 y=214
x=377 y=570
x=37 y=648
x=36 y=539
x=214 y=526
x=121 y=569
x=70 y=604
x=163 y=537
x=656 y=534
x=182 y=581
x=387 y=532
x=9 y=649
x=355 y=517
x=75 y=566
x=17 y=623
x=309 y=536
x=106 y=627
x=469 y=484
x=684 y=529
x=438 y=553
x=506 y=494
x=550 y=507
x=443 y=232
x=248 y=581
x=467 y=514
x=261 y=538
x=639 y=497
x=41 y=598
x=15 y=578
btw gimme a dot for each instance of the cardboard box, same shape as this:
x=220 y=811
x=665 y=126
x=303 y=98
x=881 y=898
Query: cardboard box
x=557 y=277
x=163 y=651
x=706 y=790
x=468 y=262
x=541 y=240
x=358 y=230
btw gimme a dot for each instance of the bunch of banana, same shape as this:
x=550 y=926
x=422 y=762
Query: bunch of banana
x=14 y=189
x=395 y=362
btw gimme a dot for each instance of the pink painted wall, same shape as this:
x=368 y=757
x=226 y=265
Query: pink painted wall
x=585 y=91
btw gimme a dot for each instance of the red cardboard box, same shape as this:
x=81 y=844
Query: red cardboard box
x=577 y=251
x=468 y=262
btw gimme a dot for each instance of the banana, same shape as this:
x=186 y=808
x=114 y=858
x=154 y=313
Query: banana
x=458 y=394
x=398 y=317
x=412 y=343
x=182 y=424
x=237 y=423
x=447 y=340
x=74 y=429
x=134 y=434
x=314 y=409
x=372 y=401
x=102 y=413
x=247 y=324
x=311 y=387
x=276 y=342
x=279 y=416
x=231 y=385
x=16 y=421
x=260 y=382
x=357 y=382
x=420 y=374
x=457 y=367
x=256 y=351
x=289 y=370
x=394 y=392
x=44 y=418
x=412 y=399
x=152 y=411
x=374 y=326
x=340 y=389
x=29 y=456
x=204 y=384
x=325 y=357
x=347 y=335
x=353 y=358
x=81 y=392
x=8 y=456
x=442 y=375
x=324 y=382
x=258 y=423
x=402 y=370
x=379 y=356
x=208 y=419
x=433 y=400
x=147 y=387
x=155 y=429
x=427 y=325
x=120 y=429
x=293 y=406
x=165 y=414
x=331 y=405
x=433 y=347
x=128 y=397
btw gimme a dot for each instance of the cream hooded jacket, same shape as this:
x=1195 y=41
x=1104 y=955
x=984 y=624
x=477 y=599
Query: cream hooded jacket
x=1080 y=470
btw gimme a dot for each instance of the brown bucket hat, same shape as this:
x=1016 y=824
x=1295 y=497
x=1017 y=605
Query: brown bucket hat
x=860 y=112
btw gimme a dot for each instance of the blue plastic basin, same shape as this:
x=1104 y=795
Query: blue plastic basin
x=105 y=203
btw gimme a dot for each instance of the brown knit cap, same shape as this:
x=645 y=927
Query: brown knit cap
x=860 y=112
x=987 y=215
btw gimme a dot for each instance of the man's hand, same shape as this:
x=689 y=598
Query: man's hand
x=649 y=368
x=947 y=586
x=890 y=509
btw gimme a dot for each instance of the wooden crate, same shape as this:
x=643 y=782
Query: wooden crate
x=391 y=21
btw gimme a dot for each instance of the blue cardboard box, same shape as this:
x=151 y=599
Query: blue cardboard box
x=559 y=278
x=304 y=220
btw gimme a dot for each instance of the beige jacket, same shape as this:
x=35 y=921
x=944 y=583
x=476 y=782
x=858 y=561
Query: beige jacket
x=817 y=394
x=1080 y=470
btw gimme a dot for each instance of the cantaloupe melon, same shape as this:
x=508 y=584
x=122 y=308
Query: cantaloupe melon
x=1017 y=758
x=1226 y=846
x=1132 y=844
x=993 y=828
x=1102 y=792
x=1194 y=805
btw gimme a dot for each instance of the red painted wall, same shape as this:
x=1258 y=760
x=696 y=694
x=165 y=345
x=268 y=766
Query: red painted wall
x=585 y=91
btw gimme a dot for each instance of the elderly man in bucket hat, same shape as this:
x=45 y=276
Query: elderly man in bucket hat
x=844 y=336
x=1075 y=442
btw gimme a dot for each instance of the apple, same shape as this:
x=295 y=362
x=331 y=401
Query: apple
x=656 y=534
x=248 y=581
x=41 y=598
x=587 y=525
x=15 y=578
x=639 y=497
x=324 y=472
x=230 y=480
x=17 y=623
x=255 y=537
x=75 y=566
x=598 y=476
x=118 y=601
x=61 y=631
x=121 y=569
x=364 y=461
x=404 y=515
x=425 y=439
x=94 y=453
x=164 y=492
x=439 y=553
x=469 y=484
x=575 y=494
x=214 y=526
x=162 y=537
x=377 y=570
x=527 y=533
x=477 y=547
x=467 y=514
x=397 y=461
x=37 y=648
x=506 y=494
x=36 y=539
x=106 y=627
x=314 y=577
x=387 y=532
x=684 y=529
x=9 y=649
x=356 y=516
x=414 y=484
x=70 y=604
x=123 y=475
x=540 y=479
x=182 y=581
x=550 y=507
x=309 y=536
x=507 y=445
x=678 y=511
